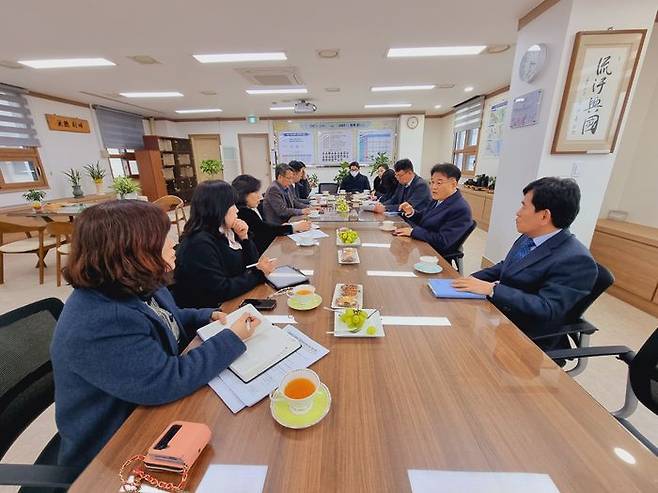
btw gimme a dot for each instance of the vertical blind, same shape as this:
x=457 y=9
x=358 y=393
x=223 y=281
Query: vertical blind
x=468 y=115
x=16 y=124
x=120 y=129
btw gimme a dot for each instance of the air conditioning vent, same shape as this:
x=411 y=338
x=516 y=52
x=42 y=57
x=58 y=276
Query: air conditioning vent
x=279 y=76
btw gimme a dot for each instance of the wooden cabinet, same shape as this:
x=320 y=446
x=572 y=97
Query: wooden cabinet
x=166 y=167
x=630 y=251
x=481 y=203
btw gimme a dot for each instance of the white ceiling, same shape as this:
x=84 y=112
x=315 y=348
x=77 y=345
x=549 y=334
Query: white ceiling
x=171 y=31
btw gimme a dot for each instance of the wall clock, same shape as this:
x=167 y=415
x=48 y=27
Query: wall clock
x=532 y=62
x=412 y=122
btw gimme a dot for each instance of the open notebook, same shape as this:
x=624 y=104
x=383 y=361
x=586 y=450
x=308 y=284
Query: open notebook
x=265 y=348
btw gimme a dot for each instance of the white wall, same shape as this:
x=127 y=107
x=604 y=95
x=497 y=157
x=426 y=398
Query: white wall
x=632 y=187
x=488 y=165
x=437 y=142
x=410 y=142
x=61 y=151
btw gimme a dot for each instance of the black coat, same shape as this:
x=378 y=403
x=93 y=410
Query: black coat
x=209 y=272
x=357 y=183
x=261 y=232
x=303 y=188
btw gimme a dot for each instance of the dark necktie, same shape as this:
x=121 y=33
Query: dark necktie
x=522 y=250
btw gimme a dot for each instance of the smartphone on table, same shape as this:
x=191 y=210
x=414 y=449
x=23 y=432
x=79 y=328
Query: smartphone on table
x=260 y=304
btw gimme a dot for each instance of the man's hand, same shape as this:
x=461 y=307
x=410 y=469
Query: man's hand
x=402 y=231
x=407 y=208
x=379 y=208
x=473 y=285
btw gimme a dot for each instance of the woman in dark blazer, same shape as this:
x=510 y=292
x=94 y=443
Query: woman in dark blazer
x=261 y=232
x=118 y=341
x=377 y=182
x=388 y=185
x=215 y=250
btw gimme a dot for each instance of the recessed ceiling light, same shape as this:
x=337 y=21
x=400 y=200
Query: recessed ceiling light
x=163 y=94
x=437 y=106
x=328 y=53
x=493 y=49
x=67 y=63
x=332 y=89
x=388 y=105
x=209 y=93
x=209 y=110
x=291 y=90
x=435 y=51
x=425 y=87
x=144 y=59
x=241 y=57
x=282 y=108
x=468 y=88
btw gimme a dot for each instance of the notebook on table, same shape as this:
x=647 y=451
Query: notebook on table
x=442 y=288
x=267 y=347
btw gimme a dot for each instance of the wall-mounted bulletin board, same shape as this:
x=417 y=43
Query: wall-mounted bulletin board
x=329 y=142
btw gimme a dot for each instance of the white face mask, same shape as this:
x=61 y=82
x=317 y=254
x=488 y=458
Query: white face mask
x=354 y=173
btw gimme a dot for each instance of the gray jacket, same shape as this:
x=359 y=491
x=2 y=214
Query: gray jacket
x=280 y=204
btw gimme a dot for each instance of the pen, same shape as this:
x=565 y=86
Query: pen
x=254 y=265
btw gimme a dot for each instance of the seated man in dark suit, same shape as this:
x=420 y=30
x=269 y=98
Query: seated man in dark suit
x=411 y=188
x=279 y=203
x=447 y=217
x=298 y=188
x=355 y=181
x=547 y=271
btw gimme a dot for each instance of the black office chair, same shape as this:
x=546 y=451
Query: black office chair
x=456 y=254
x=576 y=328
x=332 y=188
x=642 y=378
x=26 y=390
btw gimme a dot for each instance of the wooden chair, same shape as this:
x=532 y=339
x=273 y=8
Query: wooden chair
x=39 y=245
x=59 y=231
x=170 y=203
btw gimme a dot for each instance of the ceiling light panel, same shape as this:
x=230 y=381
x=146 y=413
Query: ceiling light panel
x=208 y=110
x=241 y=57
x=161 y=94
x=67 y=63
x=290 y=90
x=282 y=108
x=426 y=87
x=388 y=105
x=435 y=51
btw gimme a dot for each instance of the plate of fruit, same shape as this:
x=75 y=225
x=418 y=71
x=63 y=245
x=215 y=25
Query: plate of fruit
x=347 y=296
x=358 y=323
x=347 y=237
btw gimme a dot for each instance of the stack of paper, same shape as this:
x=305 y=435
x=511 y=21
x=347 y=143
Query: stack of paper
x=313 y=234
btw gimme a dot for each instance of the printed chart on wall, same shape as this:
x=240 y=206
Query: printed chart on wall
x=494 y=136
x=296 y=146
x=330 y=142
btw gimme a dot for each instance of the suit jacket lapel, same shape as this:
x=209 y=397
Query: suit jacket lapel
x=542 y=251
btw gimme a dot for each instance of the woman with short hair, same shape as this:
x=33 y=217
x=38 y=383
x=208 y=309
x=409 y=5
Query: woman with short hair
x=118 y=341
x=262 y=232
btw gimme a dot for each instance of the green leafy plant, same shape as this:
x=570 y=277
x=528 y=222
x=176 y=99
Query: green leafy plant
x=380 y=159
x=33 y=195
x=313 y=180
x=342 y=172
x=74 y=177
x=212 y=166
x=124 y=185
x=96 y=172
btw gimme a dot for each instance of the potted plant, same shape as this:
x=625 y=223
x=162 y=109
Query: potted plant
x=74 y=179
x=36 y=197
x=342 y=172
x=313 y=180
x=380 y=158
x=212 y=167
x=124 y=185
x=96 y=172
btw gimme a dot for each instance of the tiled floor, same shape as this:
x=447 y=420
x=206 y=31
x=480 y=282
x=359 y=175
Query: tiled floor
x=604 y=379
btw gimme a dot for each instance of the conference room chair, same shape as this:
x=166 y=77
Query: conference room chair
x=62 y=233
x=332 y=188
x=39 y=244
x=576 y=328
x=642 y=383
x=456 y=255
x=175 y=205
x=27 y=389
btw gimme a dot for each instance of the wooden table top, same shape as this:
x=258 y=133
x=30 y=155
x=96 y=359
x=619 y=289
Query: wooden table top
x=475 y=396
x=67 y=207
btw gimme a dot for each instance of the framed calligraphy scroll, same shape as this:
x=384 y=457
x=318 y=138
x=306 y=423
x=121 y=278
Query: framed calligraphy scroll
x=600 y=77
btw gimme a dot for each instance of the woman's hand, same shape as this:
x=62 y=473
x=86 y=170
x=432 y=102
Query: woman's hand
x=241 y=229
x=221 y=316
x=266 y=265
x=301 y=226
x=379 y=208
x=245 y=326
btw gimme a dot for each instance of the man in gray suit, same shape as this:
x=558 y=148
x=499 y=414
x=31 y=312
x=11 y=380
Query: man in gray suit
x=280 y=203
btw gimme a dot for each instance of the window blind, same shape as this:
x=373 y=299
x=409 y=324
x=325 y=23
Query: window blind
x=120 y=129
x=468 y=115
x=16 y=124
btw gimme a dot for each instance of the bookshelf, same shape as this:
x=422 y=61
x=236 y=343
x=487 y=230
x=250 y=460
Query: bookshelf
x=166 y=167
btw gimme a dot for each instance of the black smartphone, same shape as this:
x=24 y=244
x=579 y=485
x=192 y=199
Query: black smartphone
x=264 y=305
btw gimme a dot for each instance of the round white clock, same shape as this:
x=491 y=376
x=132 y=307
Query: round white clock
x=412 y=122
x=532 y=62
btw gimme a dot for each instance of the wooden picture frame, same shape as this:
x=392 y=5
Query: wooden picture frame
x=601 y=73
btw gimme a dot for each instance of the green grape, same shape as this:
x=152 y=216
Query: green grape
x=372 y=330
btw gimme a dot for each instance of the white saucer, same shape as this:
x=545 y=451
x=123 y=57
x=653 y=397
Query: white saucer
x=428 y=268
x=388 y=230
x=315 y=243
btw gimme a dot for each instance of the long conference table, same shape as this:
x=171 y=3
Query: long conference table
x=477 y=395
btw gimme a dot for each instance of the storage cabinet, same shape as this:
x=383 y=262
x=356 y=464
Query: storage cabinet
x=481 y=203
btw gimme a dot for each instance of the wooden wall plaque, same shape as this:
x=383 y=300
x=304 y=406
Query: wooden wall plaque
x=67 y=124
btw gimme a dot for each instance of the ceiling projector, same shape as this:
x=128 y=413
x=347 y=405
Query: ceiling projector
x=305 y=107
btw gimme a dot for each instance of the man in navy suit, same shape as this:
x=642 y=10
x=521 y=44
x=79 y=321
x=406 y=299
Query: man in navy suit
x=355 y=181
x=411 y=188
x=447 y=217
x=547 y=271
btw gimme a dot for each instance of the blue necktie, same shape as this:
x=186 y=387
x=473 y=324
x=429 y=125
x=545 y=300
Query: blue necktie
x=522 y=250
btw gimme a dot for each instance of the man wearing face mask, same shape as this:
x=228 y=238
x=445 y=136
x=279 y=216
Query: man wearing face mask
x=355 y=181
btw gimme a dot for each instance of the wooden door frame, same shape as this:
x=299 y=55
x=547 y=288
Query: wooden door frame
x=267 y=151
